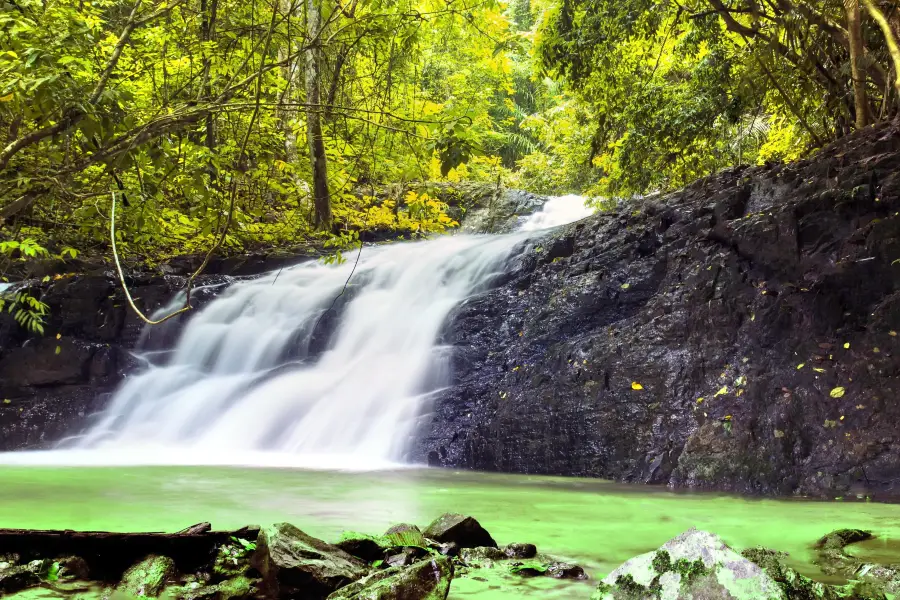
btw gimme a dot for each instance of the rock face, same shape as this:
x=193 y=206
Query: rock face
x=295 y=565
x=50 y=386
x=148 y=577
x=740 y=334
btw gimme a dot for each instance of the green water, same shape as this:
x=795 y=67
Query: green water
x=595 y=523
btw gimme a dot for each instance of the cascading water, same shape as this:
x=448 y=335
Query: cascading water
x=252 y=372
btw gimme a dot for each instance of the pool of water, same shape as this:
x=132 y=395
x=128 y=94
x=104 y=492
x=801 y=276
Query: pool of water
x=595 y=523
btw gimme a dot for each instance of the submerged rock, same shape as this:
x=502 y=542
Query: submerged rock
x=298 y=566
x=425 y=580
x=74 y=567
x=148 y=577
x=830 y=555
x=464 y=531
x=696 y=564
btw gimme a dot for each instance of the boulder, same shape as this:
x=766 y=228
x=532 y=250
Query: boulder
x=564 y=570
x=14 y=579
x=148 y=577
x=464 y=531
x=428 y=579
x=295 y=565
x=238 y=588
x=696 y=564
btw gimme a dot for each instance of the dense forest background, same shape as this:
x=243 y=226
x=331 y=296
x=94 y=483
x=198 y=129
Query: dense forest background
x=224 y=125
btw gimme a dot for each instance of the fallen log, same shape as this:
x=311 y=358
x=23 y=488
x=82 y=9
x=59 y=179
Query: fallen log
x=109 y=554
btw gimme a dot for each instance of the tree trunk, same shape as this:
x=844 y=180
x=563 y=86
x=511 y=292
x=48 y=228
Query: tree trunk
x=857 y=69
x=321 y=198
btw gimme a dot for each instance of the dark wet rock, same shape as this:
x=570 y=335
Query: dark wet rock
x=664 y=347
x=520 y=550
x=405 y=534
x=295 y=565
x=480 y=557
x=364 y=547
x=887 y=577
x=148 y=577
x=464 y=531
x=73 y=566
x=14 y=579
x=425 y=580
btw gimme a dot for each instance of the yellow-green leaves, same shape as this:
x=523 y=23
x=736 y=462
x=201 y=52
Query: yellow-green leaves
x=636 y=386
x=837 y=392
x=722 y=391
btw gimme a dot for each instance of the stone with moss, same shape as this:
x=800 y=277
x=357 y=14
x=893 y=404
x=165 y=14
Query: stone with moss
x=695 y=564
x=427 y=579
x=148 y=577
x=405 y=534
x=520 y=550
x=296 y=565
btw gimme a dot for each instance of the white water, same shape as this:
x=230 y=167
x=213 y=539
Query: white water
x=244 y=385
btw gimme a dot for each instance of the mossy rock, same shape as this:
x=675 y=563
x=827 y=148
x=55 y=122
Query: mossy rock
x=405 y=534
x=15 y=579
x=428 y=579
x=148 y=577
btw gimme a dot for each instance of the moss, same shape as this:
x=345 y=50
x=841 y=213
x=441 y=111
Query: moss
x=148 y=577
x=662 y=562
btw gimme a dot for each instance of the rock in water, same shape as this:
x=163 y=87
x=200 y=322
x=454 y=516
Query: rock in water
x=426 y=580
x=148 y=577
x=696 y=564
x=298 y=566
x=465 y=531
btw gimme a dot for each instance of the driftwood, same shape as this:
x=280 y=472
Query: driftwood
x=109 y=554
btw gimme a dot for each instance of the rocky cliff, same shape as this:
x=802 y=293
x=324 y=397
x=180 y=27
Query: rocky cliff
x=740 y=334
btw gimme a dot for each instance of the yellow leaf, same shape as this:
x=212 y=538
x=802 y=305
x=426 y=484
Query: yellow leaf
x=6 y=98
x=727 y=417
x=846 y=345
x=876 y=350
x=800 y=366
x=892 y=333
x=779 y=433
x=722 y=390
x=837 y=392
x=700 y=400
x=753 y=317
x=515 y=369
x=58 y=335
x=636 y=386
x=842 y=417
x=7 y=401
x=818 y=369
x=860 y=406
x=625 y=286
x=584 y=361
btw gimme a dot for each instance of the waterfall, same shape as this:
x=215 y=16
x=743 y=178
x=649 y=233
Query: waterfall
x=331 y=365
